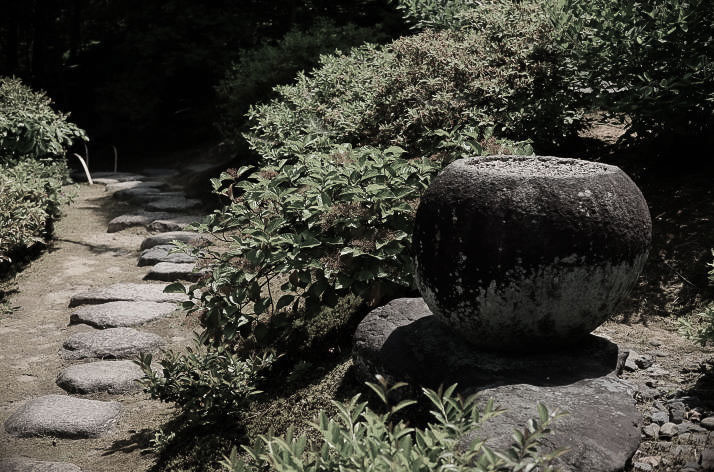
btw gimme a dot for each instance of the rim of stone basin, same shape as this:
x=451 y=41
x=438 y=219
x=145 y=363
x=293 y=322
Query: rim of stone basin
x=536 y=166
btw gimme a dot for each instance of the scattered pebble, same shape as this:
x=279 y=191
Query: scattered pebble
x=651 y=430
x=708 y=422
x=668 y=430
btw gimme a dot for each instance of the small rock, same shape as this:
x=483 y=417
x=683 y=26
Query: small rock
x=651 y=430
x=121 y=314
x=677 y=412
x=644 y=362
x=126 y=292
x=660 y=353
x=689 y=427
x=112 y=343
x=668 y=430
x=708 y=422
x=163 y=239
x=642 y=466
x=173 y=204
x=658 y=416
x=655 y=371
x=101 y=376
x=170 y=272
x=164 y=253
x=637 y=361
x=63 y=416
x=654 y=461
x=24 y=464
x=655 y=342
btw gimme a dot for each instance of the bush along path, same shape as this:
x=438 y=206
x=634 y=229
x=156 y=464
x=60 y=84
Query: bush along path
x=69 y=400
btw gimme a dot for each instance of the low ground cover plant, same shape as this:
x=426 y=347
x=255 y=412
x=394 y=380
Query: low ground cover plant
x=702 y=330
x=360 y=439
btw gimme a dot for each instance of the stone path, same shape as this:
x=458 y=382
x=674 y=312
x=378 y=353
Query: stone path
x=96 y=359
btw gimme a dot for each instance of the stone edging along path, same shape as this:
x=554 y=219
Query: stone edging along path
x=81 y=383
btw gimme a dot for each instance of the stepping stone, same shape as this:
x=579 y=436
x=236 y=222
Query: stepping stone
x=133 y=184
x=63 y=416
x=24 y=464
x=121 y=314
x=158 y=172
x=129 y=193
x=161 y=253
x=126 y=292
x=173 y=204
x=122 y=222
x=170 y=272
x=163 y=239
x=111 y=343
x=101 y=376
x=118 y=176
x=105 y=181
x=177 y=223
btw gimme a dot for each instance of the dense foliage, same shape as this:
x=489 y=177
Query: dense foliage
x=32 y=139
x=206 y=383
x=252 y=78
x=135 y=71
x=31 y=195
x=652 y=62
x=29 y=127
x=500 y=73
x=702 y=330
x=358 y=439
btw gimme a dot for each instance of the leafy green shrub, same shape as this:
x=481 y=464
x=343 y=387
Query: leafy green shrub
x=252 y=78
x=207 y=383
x=501 y=72
x=31 y=195
x=29 y=127
x=309 y=232
x=435 y=14
x=652 y=61
x=359 y=439
x=703 y=332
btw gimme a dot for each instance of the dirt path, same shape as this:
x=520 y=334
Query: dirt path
x=83 y=256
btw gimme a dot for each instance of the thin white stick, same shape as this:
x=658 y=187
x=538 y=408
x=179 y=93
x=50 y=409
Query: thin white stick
x=86 y=169
x=116 y=158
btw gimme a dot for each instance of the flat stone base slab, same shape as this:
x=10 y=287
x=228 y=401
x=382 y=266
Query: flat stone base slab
x=178 y=223
x=112 y=343
x=162 y=253
x=170 y=272
x=121 y=314
x=601 y=428
x=101 y=376
x=173 y=204
x=126 y=292
x=63 y=416
x=404 y=342
x=24 y=464
x=164 y=239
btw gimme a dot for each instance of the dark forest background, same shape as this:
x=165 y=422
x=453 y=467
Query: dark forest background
x=142 y=74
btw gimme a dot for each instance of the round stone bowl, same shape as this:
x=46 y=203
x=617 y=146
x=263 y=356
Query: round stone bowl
x=528 y=253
